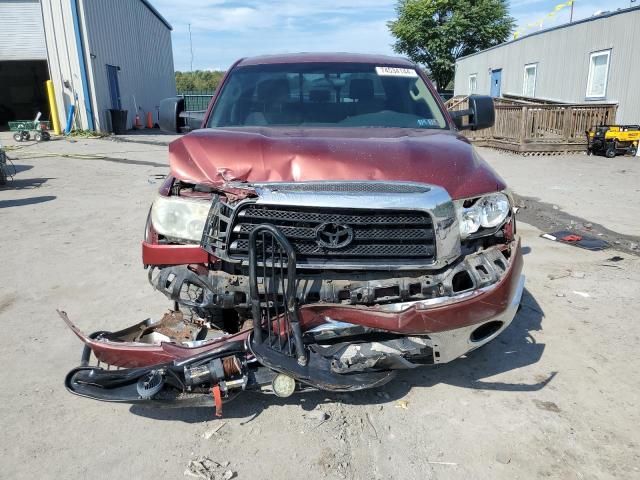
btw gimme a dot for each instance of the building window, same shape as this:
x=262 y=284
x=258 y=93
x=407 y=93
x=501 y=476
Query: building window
x=473 y=84
x=598 y=74
x=529 y=83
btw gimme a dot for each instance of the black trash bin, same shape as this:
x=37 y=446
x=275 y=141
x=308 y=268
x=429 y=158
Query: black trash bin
x=118 y=121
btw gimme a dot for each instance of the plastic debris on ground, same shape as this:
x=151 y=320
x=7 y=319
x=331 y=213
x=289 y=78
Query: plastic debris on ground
x=570 y=238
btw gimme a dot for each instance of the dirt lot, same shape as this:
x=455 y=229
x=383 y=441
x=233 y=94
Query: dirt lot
x=557 y=395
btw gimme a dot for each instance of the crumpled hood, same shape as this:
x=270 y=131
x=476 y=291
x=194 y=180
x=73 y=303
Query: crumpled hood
x=217 y=156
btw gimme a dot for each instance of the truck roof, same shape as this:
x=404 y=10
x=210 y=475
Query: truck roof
x=328 y=57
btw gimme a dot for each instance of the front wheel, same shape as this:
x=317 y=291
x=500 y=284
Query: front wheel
x=38 y=137
x=633 y=151
x=611 y=151
x=17 y=137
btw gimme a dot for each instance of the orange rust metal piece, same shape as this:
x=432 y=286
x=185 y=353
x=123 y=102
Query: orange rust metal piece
x=217 y=399
x=173 y=326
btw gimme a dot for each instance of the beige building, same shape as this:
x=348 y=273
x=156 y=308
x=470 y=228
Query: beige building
x=591 y=60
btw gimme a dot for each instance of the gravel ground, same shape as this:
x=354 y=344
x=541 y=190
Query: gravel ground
x=603 y=191
x=555 y=396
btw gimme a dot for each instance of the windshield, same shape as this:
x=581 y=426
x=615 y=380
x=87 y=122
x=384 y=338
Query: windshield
x=333 y=95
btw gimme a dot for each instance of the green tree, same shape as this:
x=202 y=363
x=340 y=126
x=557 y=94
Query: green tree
x=437 y=32
x=198 y=80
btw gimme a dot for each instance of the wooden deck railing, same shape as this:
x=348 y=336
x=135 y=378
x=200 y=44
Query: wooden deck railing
x=527 y=127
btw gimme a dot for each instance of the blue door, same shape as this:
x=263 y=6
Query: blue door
x=114 y=87
x=496 y=80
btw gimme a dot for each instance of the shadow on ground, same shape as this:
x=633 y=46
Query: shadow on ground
x=25 y=183
x=26 y=201
x=16 y=169
x=153 y=137
x=514 y=348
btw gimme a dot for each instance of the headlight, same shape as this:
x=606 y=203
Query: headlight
x=487 y=212
x=493 y=209
x=179 y=218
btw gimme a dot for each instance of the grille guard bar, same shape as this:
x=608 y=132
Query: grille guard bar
x=276 y=340
x=273 y=276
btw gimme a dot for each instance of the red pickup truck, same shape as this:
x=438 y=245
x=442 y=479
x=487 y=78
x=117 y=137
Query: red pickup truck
x=325 y=227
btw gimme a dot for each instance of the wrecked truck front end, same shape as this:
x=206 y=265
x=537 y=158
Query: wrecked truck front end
x=403 y=265
x=326 y=228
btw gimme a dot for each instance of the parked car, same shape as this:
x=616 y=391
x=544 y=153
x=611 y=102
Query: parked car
x=327 y=226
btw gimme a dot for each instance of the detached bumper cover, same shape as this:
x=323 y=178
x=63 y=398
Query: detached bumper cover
x=117 y=349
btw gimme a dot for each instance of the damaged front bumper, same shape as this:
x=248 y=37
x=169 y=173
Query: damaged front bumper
x=439 y=330
x=449 y=323
x=335 y=347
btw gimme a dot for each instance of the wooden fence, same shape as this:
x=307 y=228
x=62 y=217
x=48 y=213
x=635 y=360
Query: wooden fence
x=529 y=127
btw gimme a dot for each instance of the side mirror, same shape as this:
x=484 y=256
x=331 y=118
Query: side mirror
x=170 y=110
x=481 y=113
x=174 y=119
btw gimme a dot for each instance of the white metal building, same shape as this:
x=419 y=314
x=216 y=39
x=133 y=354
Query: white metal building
x=99 y=54
x=591 y=60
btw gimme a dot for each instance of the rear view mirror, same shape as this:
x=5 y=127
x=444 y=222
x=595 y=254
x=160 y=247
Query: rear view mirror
x=481 y=113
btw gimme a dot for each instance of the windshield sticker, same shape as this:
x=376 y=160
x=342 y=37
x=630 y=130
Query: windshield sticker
x=396 y=72
x=428 y=122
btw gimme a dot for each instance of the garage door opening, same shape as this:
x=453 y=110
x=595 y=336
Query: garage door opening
x=22 y=90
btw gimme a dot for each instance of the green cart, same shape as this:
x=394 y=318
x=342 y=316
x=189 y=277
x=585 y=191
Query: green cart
x=24 y=128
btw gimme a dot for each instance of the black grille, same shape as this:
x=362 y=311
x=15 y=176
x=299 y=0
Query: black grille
x=377 y=234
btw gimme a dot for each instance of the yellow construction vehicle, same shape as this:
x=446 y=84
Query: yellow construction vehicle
x=612 y=140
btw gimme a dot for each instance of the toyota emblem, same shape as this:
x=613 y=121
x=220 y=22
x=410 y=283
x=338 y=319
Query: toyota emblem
x=333 y=235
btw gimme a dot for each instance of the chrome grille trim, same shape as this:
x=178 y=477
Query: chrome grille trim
x=348 y=187
x=415 y=212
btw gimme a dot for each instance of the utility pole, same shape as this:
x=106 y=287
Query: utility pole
x=191 y=47
x=571 y=14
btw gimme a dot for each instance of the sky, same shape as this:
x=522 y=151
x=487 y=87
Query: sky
x=225 y=30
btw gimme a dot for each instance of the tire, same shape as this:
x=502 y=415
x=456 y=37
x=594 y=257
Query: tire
x=26 y=136
x=610 y=152
x=633 y=151
x=38 y=137
x=17 y=137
